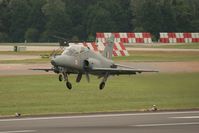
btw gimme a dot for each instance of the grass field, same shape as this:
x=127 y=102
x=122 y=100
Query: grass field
x=26 y=61
x=134 y=56
x=26 y=53
x=44 y=94
x=160 y=56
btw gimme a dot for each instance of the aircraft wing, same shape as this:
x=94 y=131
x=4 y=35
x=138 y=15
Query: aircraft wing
x=120 y=71
x=42 y=69
x=53 y=70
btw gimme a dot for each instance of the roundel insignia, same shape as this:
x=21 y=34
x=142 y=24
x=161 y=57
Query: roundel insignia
x=76 y=62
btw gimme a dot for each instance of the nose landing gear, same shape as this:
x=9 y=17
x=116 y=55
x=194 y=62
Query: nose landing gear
x=65 y=76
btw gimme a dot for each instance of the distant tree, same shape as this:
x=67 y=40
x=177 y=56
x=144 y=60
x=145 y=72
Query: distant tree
x=32 y=35
x=91 y=38
x=22 y=19
x=165 y=15
x=99 y=20
x=148 y=17
x=168 y=17
x=58 y=21
x=36 y=18
x=75 y=39
x=44 y=37
x=194 y=5
x=4 y=20
x=3 y=37
x=109 y=16
x=19 y=12
x=183 y=16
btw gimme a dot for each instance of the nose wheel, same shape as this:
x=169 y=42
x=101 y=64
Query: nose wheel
x=65 y=77
x=102 y=85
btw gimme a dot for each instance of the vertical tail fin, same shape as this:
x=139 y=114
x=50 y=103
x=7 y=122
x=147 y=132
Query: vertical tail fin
x=108 y=51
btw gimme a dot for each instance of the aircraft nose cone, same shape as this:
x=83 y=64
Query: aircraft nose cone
x=53 y=62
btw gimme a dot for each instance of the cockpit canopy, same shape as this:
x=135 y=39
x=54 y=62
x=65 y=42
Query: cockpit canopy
x=74 y=50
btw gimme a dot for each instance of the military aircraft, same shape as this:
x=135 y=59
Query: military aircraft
x=80 y=60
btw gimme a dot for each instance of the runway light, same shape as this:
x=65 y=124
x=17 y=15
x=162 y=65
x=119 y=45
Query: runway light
x=17 y=114
x=154 y=108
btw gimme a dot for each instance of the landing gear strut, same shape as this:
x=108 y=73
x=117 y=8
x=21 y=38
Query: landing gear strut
x=65 y=76
x=103 y=83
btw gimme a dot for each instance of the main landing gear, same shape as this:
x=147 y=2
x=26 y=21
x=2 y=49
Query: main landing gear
x=103 y=83
x=60 y=77
x=68 y=84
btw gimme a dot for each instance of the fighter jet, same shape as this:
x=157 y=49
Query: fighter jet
x=80 y=60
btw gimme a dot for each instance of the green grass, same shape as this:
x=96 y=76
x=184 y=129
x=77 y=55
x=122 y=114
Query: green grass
x=160 y=56
x=26 y=61
x=44 y=94
x=134 y=56
x=175 y=46
x=26 y=52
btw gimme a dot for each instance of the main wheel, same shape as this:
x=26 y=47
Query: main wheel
x=69 y=85
x=60 y=77
x=102 y=85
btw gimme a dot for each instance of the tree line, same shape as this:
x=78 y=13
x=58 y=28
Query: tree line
x=40 y=20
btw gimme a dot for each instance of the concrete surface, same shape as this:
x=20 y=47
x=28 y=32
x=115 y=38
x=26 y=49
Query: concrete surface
x=22 y=69
x=160 y=122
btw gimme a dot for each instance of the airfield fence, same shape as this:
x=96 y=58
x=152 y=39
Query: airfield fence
x=146 y=38
x=130 y=37
x=179 y=37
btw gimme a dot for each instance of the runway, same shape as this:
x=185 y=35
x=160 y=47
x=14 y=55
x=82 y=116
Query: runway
x=154 y=122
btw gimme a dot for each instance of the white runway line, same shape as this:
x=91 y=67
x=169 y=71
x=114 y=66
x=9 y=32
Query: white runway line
x=186 y=117
x=166 y=124
x=97 y=116
x=19 y=131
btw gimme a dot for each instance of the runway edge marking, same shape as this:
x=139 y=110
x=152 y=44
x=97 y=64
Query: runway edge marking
x=19 y=131
x=186 y=117
x=96 y=116
x=166 y=124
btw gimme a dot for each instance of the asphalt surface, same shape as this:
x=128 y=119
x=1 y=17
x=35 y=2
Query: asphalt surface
x=22 y=69
x=160 y=122
x=18 y=57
